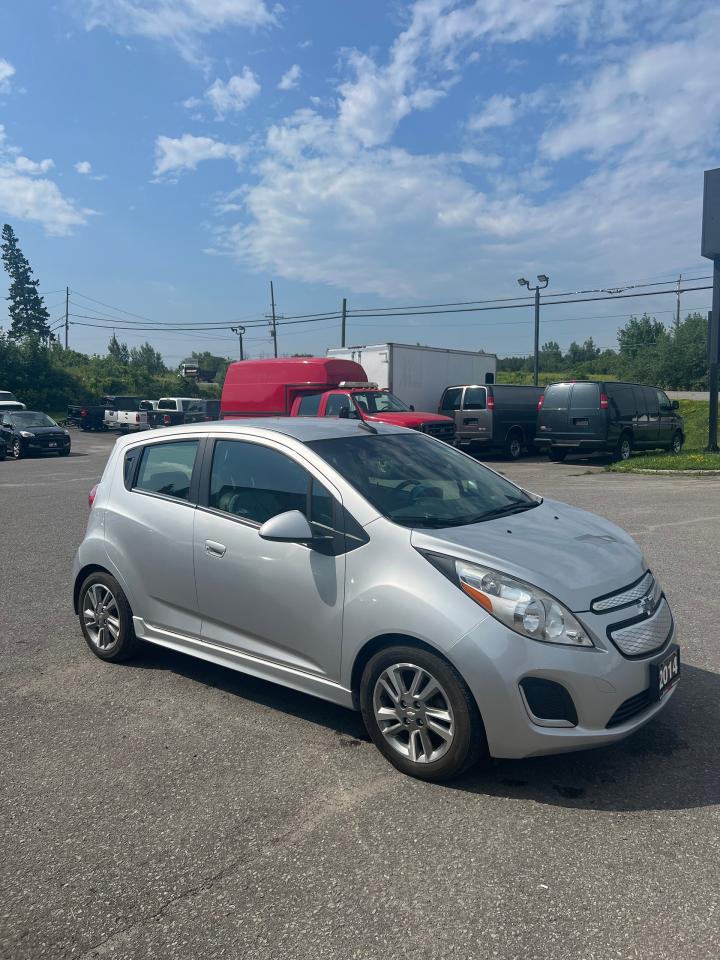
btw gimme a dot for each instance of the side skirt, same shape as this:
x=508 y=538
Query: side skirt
x=246 y=663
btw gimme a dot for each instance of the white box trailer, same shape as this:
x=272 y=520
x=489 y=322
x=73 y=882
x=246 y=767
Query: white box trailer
x=418 y=375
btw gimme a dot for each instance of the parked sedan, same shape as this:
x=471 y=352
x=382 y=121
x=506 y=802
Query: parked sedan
x=385 y=571
x=28 y=431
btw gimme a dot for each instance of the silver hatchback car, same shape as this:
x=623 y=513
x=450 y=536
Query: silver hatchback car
x=380 y=569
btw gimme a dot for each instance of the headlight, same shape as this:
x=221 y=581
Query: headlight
x=26 y=434
x=520 y=606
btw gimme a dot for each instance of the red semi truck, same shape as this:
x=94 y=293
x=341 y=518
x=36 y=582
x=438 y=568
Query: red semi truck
x=319 y=387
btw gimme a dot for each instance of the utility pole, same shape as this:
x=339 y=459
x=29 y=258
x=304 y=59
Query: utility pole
x=67 y=314
x=274 y=321
x=710 y=248
x=543 y=281
x=239 y=331
x=342 y=325
x=677 y=309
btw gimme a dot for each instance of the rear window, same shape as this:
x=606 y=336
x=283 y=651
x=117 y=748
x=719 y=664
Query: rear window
x=585 y=396
x=557 y=397
x=475 y=398
x=166 y=405
x=309 y=405
x=166 y=468
x=451 y=399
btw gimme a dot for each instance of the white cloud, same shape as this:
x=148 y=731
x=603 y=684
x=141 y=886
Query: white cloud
x=27 y=195
x=499 y=111
x=290 y=78
x=181 y=22
x=230 y=97
x=83 y=166
x=7 y=70
x=173 y=155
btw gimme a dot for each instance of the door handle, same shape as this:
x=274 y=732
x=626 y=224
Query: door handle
x=214 y=548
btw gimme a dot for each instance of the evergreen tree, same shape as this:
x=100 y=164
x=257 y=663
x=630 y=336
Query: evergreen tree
x=28 y=314
x=118 y=351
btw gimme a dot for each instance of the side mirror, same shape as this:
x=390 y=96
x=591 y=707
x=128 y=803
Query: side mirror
x=412 y=407
x=675 y=404
x=289 y=527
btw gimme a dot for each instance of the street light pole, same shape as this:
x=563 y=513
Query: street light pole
x=239 y=331
x=543 y=281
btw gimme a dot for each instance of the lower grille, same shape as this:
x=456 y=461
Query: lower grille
x=631 y=707
x=443 y=431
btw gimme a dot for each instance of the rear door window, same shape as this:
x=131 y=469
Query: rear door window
x=557 y=397
x=451 y=399
x=475 y=398
x=585 y=396
x=166 y=468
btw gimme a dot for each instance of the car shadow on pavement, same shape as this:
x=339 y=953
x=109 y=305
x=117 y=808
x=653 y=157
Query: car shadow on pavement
x=672 y=763
x=345 y=722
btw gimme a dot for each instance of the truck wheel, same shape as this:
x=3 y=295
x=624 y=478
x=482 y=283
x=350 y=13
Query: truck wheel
x=557 y=455
x=624 y=448
x=676 y=444
x=420 y=713
x=514 y=445
x=106 y=618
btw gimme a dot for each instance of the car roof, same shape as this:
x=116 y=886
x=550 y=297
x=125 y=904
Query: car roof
x=303 y=429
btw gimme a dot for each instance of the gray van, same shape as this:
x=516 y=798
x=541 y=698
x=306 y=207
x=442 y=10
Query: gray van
x=589 y=416
x=501 y=416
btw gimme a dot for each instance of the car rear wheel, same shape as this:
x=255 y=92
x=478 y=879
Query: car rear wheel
x=623 y=450
x=557 y=456
x=514 y=445
x=676 y=444
x=17 y=449
x=106 y=618
x=420 y=714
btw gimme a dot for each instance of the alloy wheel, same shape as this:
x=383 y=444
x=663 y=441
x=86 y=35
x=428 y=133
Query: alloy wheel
x=17 y=449
x=101 y=616
x=515 y=448
x=625 y=449
x=413 y=713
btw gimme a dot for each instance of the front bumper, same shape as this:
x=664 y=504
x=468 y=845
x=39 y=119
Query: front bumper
x=35 y=446
x=493 y=660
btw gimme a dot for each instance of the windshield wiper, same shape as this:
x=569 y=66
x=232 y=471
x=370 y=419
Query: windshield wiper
x=514 y=506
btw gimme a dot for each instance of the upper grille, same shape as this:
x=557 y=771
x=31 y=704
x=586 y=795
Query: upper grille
x=645 y=636
x=625 y=596
x=445 y=431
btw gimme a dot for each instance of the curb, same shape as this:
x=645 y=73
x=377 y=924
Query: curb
x=672 y=473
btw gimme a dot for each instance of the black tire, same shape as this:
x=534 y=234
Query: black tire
x=126 y=645
x=65 y=453
x=17 y=450
x=468 y=744
x=2 y=453
x=557 y=455
x=86 y=427
x=514 y=445
x=676 y=444
x=623 y=450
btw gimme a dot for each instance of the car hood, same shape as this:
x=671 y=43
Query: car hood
x=412 y=418
x=574 y=555
x=43 y=431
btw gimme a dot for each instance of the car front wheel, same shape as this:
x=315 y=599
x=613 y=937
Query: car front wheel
x=557 y=456
x=420 y=714
x=17 y=449
x=106 y=618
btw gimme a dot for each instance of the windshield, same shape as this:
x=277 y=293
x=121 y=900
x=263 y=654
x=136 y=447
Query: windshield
x=373 y=402
x=418 y=482
x=28 y=418
x=5 y=395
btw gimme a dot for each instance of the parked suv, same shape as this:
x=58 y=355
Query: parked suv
x=587 y=416
x=385 y=571
x=498 y=416
x=26 y=432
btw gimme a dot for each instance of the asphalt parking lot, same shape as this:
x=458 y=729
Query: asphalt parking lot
x=172 y=809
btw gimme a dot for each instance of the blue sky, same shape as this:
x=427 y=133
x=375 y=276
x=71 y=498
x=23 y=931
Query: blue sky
x=171 y=156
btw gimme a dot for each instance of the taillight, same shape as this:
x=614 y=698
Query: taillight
x=92 y=495
x=137 y=418
x=491 y=402
x=83 y=413
x=603 y=401
x=166 y=420
x=540 y=401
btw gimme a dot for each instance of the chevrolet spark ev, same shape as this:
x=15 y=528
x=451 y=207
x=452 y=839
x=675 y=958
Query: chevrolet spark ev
x=380 y=569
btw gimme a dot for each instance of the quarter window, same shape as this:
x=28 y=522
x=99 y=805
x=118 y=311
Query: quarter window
x=166 y=468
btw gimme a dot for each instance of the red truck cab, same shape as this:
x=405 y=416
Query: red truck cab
x=319 y=387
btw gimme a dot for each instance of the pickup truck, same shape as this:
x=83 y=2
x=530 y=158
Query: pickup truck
x=171 y=411
x=319 y=387
x=9 y=402
x=111 y=413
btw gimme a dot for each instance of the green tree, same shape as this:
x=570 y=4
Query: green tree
x=28 y=314
x=551 y=357
x=146 y=358
x=118 y=351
